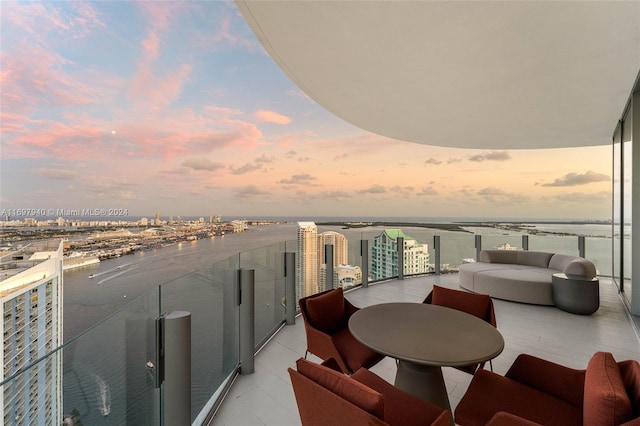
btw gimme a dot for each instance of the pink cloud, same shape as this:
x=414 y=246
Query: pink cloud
x=146 y=86
x=32 y=77
x=272 y=117
x=174 y=134
x=227 y=33
x=41 y=19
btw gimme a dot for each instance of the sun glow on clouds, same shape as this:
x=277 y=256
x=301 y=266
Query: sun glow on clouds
x=146 y=106
x=272 y=117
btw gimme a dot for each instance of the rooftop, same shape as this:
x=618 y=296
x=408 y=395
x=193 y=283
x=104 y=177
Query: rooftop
x=18 y=259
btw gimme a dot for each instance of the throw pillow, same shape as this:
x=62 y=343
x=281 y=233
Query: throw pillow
x=326 y=312
x=344 y=386
x=605 y=396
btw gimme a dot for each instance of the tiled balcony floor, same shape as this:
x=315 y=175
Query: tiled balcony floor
x=266 y=397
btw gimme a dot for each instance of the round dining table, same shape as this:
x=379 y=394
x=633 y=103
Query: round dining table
x=423 y=338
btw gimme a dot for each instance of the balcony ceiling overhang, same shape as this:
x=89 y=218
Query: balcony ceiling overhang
x=466 y=74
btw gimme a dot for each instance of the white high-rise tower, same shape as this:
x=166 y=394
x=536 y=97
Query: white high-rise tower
x=31 y=307
x=307 y=260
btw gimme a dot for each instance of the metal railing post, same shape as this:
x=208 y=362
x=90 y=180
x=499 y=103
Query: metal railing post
x=478 y=244
x=400 y=255
x=525 y=242
x=436 y=248
x=328 y=258
x=176 y=348
x=290 y=287
x=364 y=253
x=581 y=246
x=246 y=277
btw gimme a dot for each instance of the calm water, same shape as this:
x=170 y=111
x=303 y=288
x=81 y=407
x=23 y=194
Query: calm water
x=118 y=281
x=105 y=378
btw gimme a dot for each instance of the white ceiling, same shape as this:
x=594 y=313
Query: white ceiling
x=471 y=74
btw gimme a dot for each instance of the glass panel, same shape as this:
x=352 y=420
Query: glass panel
x=617 y=234
x=563 y=245
x=269 y=298
x=107 y=378
x=505 y=241
x=457 y=248
x=627 y=191
x=598 y=250
x=209 y=294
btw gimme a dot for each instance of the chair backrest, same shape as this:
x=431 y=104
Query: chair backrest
x=326 y=397
x=606 y=398
x=479 y=305
x=325 y=311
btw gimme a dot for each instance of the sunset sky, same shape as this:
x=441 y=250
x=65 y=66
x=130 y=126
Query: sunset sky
x=176 y=108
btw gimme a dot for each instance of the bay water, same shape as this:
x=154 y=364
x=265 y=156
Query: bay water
x=104 y=369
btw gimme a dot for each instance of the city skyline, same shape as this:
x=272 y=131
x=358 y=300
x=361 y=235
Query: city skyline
x=175 y=107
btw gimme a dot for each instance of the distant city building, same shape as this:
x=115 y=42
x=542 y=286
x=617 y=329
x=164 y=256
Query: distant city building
x=144 y=221
x=237 y=226
x=307 y=260
x=157 y=217
x=31 y=305
x=345 y=276
x=384 y=255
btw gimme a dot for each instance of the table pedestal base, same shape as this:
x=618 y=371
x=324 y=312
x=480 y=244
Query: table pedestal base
x=423 y=381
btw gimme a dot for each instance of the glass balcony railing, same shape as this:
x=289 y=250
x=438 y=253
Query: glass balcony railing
x=108 y=374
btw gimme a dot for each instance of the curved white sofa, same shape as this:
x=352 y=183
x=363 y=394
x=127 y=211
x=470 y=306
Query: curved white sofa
x=521 y=276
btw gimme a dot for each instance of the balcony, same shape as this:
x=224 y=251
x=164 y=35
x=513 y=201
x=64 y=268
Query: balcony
x=266 y=397
x=109 y=371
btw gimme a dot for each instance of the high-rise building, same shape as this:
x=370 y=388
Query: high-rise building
x=340 y=256
x=340 y=247
x=384 y=255
x=307 y=260
x=31 y=306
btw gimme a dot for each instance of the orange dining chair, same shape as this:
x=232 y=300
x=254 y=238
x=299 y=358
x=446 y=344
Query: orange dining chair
x=326 y=316
x=478 y=305
x=326 y=397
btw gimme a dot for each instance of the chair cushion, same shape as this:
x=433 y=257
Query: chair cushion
x=326 y=312
x=353 y=391
x=490 y=393
x=400 y=407
x=605 y=396
x=471 y=303
x=356 y=354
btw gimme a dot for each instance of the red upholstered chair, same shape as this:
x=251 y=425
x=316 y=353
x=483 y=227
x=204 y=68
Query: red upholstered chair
x=479 y=305
x=326 y=397
x=326 y=317
x=536 y=391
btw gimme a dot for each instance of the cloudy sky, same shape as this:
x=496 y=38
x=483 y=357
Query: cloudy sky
x=175 y=108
